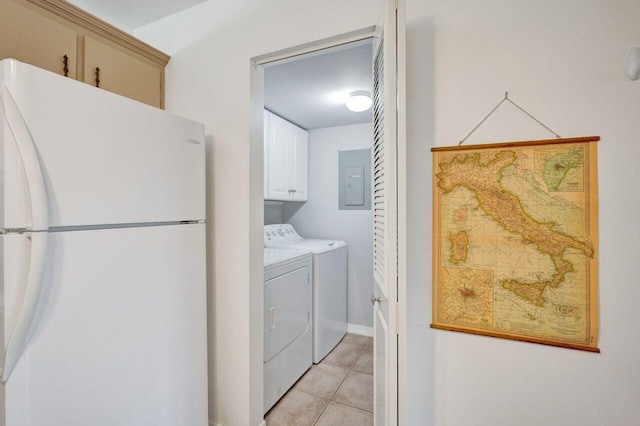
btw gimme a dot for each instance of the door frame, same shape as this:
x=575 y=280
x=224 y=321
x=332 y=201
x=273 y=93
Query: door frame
x=256 y=202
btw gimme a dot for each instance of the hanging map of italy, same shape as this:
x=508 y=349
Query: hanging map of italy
x=515 y=228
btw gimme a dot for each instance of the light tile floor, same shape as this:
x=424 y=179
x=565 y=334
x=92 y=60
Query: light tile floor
x=336 y=392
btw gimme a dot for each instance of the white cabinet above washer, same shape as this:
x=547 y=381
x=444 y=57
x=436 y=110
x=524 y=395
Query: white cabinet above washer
x=286 y=160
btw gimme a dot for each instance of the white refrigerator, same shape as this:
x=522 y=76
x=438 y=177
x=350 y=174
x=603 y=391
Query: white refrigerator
x=102 y=257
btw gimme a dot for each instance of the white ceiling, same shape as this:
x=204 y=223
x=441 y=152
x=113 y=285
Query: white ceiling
x=311 y=90
x=133 y=14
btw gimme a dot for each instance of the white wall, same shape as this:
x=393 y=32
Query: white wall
x=273 y=212
x=563 y=61
x=320 y=218
x=208 y=79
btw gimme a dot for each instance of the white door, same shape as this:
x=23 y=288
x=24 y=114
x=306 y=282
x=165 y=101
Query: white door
x=119 y=335
x=98 y=158
x=300 y=164
x=385 y=215
x=278 y=151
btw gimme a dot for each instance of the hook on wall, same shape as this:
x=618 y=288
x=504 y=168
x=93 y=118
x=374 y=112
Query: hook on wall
x=633 y=63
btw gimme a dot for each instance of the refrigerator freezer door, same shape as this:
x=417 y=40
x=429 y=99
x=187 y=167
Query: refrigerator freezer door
x=105 y=159
x=119 y=337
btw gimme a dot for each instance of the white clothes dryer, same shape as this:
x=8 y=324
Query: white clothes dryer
x=329 y=284
x=288 y=330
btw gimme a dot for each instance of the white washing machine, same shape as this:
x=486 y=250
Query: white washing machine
x=329 y=284
x=288 y=330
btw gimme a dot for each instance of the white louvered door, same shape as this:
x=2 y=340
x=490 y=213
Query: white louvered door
x=385 y=218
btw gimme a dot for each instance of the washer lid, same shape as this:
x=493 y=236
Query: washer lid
x=317 y=246
x=278 y=257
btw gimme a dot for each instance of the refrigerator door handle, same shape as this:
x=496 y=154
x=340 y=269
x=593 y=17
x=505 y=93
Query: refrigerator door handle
x=30 y=162
x=39 y=221
x=18 y=336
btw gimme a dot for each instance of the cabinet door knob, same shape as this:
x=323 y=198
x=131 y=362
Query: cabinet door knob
x=375 y=300
x=65 y=62
x=97 y=74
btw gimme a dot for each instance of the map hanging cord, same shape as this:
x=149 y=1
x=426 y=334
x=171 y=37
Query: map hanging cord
x=506 y=98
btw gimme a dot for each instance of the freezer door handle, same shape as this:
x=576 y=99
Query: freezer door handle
x=30 y=162
x=18 y=336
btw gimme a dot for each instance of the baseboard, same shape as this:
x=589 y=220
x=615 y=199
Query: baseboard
x=362 y=330
x=212 y=423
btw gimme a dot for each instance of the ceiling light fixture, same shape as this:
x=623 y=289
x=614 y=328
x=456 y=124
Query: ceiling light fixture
x=358 y=101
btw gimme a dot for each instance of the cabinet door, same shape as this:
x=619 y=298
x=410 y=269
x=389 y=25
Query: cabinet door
x=300 y=164
x=36 y=39
x=278 y=159
x=122 y=73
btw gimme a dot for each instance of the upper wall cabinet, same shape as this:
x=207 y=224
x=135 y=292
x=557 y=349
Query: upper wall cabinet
x=286 y=160
x=36 y=39
x=60 y=37
x=120 y=72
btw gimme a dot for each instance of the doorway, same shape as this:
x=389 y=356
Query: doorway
x=317 y=180
x=388 y=200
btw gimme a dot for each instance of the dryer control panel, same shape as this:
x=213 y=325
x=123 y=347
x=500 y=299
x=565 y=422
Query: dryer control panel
x=280 y=235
